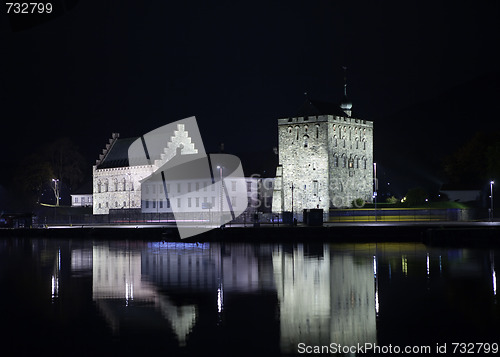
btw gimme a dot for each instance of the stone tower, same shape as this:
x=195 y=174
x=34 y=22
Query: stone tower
x=325 y=159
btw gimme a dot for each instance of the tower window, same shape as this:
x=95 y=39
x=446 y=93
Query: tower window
x=335 y=161
x=306 y=140
x=317 y=131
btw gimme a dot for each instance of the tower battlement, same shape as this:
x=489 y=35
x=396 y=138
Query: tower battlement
x=323 y=118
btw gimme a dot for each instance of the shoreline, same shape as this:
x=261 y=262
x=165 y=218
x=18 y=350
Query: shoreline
x=480 y=234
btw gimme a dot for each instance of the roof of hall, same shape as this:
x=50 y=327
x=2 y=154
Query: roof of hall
x=117 y=155
x=312 y=107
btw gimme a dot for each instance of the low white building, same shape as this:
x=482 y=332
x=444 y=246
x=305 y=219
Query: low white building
x=83 y=197
x=81 y=200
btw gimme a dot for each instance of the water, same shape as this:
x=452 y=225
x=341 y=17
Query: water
x=67 y=297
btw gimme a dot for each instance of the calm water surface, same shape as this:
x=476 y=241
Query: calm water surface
x=67 y=297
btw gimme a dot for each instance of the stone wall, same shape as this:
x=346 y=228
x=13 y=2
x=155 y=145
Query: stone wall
x=325 y=161
x=118 y=187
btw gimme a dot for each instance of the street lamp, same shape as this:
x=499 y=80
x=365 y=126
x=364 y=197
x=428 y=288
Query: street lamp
x=491 y=199
x=221 y=194
x=129 y=189
x=56 y=190
x=375 y=187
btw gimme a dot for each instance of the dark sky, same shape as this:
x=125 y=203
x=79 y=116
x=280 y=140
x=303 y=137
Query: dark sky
x=130 y=66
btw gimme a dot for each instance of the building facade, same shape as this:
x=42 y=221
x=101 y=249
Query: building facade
x=171 y=175
x=325 y=159
x=81 y=200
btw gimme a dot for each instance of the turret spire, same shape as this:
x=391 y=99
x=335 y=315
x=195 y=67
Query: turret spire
x=346 y=104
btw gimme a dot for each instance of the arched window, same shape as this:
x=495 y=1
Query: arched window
x=289 y=130
x=351 y=163
x=317 y=131
x=106 y=185
x=306 y=139
x=344 y=160
x=116 y=185
x=99 y=183
x=357 y=143
x=334 y=141
x=124 y=181
x=335 y=161
x=356 y=162
x=364 y=163
x=297 y=133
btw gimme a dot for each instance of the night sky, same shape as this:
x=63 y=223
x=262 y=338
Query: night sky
x=130 y=66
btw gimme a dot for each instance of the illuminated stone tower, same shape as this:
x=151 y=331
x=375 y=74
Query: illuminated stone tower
x=325 y=158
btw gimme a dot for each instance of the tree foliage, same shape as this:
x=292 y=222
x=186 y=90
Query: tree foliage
x=476 y=162
x=58 y=160
x=416 y=196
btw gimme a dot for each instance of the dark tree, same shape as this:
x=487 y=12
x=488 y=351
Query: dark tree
x=66 y=162
x=476 y=162
x=32 y=177
x=59 y=160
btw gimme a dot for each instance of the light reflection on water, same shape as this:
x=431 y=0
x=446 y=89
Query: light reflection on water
x=214 y=298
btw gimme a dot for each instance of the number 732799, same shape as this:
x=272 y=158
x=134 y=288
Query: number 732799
x=28 y=7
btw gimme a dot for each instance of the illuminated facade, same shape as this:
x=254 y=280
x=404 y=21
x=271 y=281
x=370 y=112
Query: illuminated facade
x=325 y=159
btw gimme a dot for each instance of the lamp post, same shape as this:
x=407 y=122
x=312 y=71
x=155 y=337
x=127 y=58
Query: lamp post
x=129 y=189
x=56 y=190
x=375 y=187
x=491 y=199
x=221 y=194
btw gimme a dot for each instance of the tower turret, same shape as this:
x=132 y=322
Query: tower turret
x=346 y=104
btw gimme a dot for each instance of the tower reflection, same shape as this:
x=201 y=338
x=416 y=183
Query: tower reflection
x=324 y=298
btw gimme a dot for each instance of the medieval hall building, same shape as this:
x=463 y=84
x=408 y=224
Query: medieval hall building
x=325 y=158
x=167 y=172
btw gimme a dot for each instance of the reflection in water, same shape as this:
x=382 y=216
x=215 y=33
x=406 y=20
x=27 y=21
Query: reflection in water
x=215 y=299
x=324 y=299
x=117 y=275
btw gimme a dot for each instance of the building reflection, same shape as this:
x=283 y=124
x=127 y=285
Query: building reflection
x=324 y=298
x=117 y=285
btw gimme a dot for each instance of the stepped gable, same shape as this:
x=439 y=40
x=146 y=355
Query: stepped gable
x=115 y=154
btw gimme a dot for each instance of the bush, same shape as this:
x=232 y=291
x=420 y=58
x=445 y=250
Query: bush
x=358 y=203
x=391 y=200
x=416 y=196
